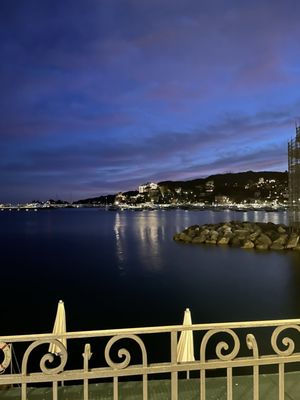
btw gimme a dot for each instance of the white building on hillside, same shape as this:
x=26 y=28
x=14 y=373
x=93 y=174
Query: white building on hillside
x=146 y=187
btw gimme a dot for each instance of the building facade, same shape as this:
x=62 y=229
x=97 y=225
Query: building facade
x=294 y=181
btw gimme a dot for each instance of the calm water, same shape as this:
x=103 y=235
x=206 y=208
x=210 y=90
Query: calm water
x=122 y=269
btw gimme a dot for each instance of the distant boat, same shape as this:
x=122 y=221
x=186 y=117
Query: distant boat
x=113 y=208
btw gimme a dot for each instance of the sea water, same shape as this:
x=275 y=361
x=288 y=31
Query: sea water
x=117 y=269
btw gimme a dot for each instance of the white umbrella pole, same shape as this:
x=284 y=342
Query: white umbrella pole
x=185 y=346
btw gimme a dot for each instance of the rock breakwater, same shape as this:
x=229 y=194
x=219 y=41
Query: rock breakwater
x=246 y=235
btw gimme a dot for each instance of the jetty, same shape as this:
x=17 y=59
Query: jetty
x=246 y=235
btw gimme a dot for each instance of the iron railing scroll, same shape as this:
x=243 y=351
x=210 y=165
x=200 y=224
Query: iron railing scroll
x=228 y=348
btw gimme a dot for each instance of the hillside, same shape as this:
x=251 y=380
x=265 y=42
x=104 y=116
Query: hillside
x=238 y=187
x=242 y=186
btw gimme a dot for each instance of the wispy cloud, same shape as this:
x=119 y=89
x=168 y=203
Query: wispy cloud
x=100 y=96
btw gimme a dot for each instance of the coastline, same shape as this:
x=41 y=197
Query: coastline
x=151 y=207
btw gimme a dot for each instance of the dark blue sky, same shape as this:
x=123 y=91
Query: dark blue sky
x=99 y=96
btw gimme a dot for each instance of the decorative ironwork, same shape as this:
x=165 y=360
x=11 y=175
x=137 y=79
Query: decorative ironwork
x=252 y=344
x=221 y=347
x=124 y=352
x=286 y=341
x=48 y=357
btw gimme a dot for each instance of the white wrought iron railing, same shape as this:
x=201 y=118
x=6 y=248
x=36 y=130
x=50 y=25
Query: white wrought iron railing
x=227 y=347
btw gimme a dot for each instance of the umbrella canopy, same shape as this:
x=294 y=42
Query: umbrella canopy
x=185 y=346
x=59 y=328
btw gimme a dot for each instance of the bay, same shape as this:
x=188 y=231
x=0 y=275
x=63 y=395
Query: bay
x=123 y=269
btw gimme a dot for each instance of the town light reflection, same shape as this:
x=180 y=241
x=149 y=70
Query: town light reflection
x=261 y=216
x=149 y=228
x=146 y=230
x=119 y=234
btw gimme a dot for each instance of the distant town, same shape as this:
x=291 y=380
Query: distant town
x=245 y=190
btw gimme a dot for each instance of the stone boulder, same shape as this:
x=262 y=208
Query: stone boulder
x=193 y=231
x=281 y=229
x=273 y=235
x=224 y=240
x=176 y=237
x=292 y=241
x=212 y=238
x=248 y=244
x=200 y=239
x=184 y=237
x=279 y=244
x=241 y=233
x=263 y=242
x=236 y=241
x=254 y=235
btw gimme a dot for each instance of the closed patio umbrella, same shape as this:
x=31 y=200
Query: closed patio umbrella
x=185 y=346
x=59 y=328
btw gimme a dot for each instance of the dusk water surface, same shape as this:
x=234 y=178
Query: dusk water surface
x=123 y=269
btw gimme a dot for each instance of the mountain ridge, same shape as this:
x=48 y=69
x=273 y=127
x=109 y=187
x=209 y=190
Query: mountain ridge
x=239 y=186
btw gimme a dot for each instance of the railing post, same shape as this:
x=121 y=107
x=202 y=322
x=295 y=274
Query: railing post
x=229 y=383
x=174 y=374
x=252 y=345
x=281 y=381
x=54 y=390
x=24 y=391
x=145 y=387
x=202 y=384
x=86 y=357
x=116 y=388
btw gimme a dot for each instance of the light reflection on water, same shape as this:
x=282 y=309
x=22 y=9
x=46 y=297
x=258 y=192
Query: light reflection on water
x=149 y=232
x=211 y=274
x=120 y=261
x=150 y=229
x=261 y=216
x=119 y=235
x=147 y=228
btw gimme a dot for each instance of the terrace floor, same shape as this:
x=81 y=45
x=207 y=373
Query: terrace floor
x=160 y=389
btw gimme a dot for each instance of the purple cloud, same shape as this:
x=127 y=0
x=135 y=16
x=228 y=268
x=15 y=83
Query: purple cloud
x=100 y=96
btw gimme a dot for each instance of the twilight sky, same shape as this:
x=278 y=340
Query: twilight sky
x=99 y=96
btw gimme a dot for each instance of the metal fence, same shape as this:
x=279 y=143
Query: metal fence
x=113 y=355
